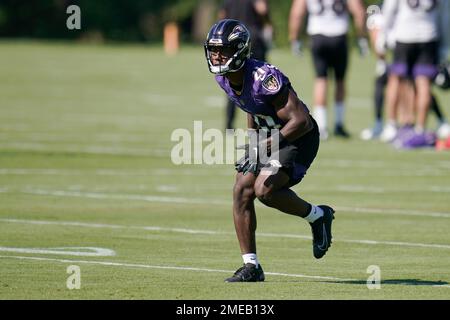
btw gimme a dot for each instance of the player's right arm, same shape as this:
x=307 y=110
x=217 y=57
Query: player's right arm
x=356 y=8
x=291 y=110
x=375 y=30
x=389 y=11
x=250 y=122
x=296 y=17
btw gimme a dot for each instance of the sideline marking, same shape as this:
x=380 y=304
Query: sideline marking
x=212 y=232
x=69 y=251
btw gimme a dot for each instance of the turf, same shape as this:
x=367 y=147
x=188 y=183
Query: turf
x=85 y=144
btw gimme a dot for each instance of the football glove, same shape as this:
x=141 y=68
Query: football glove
x=297 y=48
x=442 y=79
x=247 y=163
x=251 y=162
x=381 y=67
x=381 y=44
x=363 y=46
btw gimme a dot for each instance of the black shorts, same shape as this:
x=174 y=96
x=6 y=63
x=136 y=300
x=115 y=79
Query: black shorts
x=415 y=59
x=330 y=52
x=294 y=158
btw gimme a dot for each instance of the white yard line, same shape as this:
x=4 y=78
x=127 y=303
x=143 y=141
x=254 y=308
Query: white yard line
x=359 y=102
x=148 y=198
x=181 y=268
x=183 y=200
x=213 y=232
x=146 y=266
x=157 y=172
x=110 y=172
x=405 y=212
x=89 y=149
x=74 y=138
x=69 y=251
x=214 y=101
x=379 y=165
x=369 y=242
x=227 y=171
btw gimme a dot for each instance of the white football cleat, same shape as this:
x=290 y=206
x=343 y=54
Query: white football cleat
x=371 y=133
x=389 y=133
x=323 y=134
x=366 y=134
x=443 y=131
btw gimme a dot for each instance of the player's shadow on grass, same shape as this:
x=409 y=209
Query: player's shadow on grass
x=409 y=282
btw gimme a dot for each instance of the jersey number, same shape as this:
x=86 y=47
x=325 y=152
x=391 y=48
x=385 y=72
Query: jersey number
x=426 y=5
x=269 y=122
x=260 y=73
x=338 y=7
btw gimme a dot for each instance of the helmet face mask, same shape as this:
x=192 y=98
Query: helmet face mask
x=227 y=46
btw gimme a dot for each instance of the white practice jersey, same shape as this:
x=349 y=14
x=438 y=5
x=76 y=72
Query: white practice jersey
x=416 y=21
x=327 y=17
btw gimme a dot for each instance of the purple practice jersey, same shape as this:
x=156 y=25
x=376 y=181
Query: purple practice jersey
x=262 y=82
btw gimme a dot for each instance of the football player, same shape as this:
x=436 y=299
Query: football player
x=266 y=95
x=374 y=25
x=421 y=33
x=328 y=24
x=405 y=105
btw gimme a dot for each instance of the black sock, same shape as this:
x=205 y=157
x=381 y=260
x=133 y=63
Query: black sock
x=434 y=106
x=230 y=111
x=380 y=84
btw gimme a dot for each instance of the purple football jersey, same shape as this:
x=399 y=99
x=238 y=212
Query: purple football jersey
x=262 y=82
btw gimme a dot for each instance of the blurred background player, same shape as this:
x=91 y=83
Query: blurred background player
x=416 y=55
x=374 y=26
x=405 y=114
x=442 y=81
x=328 y=25
x=405 y=102
x=254 y=14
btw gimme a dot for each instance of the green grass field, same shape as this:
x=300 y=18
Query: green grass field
x=85 y=162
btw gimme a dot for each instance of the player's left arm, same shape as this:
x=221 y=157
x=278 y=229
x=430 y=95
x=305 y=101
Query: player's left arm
x=357 y=9
x=250 y=122
x=296 y=17
x=293 y=112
